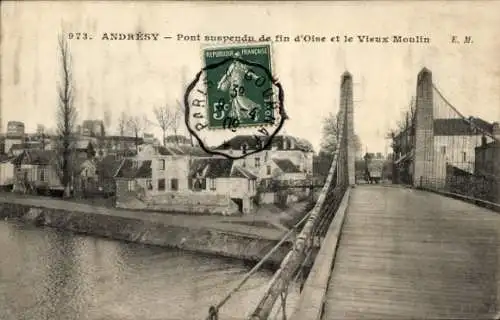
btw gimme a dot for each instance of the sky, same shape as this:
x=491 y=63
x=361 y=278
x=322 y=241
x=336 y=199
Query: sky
x=136 y=76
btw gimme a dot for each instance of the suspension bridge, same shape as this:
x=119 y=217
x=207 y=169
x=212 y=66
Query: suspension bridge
x=410 y=250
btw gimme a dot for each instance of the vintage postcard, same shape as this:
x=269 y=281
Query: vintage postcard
x=292 y=160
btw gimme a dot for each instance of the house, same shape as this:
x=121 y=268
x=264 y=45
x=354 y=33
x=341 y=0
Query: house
x=6 y=172
x=105 y=145
x=177 y=140
x=85 y=177
x=92 y=128
x=106 y=170
x=285 y=169
x=220 y=176
x=18 y=148
x=164 y=179
x=10 y=142
x=14 y=135
x=455 y=141
x=15 y=129
x=36 y=171
x=298 y=151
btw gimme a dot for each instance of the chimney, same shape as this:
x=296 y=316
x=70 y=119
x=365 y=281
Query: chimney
x=496 y=130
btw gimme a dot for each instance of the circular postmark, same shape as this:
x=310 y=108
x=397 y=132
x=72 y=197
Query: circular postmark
x=235 y=95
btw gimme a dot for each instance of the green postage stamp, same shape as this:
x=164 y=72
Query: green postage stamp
x=239 y=86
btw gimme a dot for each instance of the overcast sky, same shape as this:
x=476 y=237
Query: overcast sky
x=136 y=76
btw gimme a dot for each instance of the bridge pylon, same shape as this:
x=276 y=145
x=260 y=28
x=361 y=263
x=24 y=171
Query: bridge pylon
x=346 y=102
x=424 y=129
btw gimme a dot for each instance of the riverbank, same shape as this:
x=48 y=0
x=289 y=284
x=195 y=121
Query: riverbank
x=246 y=238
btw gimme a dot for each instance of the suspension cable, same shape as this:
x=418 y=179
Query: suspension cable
x=215 y=309
x=461 y=115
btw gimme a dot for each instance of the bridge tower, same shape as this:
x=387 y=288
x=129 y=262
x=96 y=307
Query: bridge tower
x=346 y=102
x=424 y=129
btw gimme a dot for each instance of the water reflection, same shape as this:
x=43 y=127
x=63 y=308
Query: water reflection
x=49 y=274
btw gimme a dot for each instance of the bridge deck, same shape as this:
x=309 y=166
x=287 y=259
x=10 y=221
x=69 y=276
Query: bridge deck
x=408 y=254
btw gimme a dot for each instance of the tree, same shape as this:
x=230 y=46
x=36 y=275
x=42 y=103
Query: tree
x=137 y=125
x=331 y=134
x=66 y=115
x=163 y=119
x=90 y=151
x=177 y=116
x=107 y=118
x=122 y=123
x=41 y=134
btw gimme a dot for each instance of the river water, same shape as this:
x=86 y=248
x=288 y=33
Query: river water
x=47 y=274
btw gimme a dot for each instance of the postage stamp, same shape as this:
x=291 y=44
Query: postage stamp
x=238 y=90
x=235 y=94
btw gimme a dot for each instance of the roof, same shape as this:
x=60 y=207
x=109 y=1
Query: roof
x=165 y=151
x=83 y=144
x=21 y=146
x=182 y=150
x=281 y=142
x=461 y=127
x=120 y=138
x=177 y=139
x=6 y=158
x=35 y=156
x=128 y=169
x=193 y=151
x=286 y=165
x=108 y=166
x=215 y=167
x=144 y=170
x=240 y=172
x=125 y=153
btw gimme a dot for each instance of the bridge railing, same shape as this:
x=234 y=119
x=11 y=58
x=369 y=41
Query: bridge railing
x=318 y=220
x=311 y=228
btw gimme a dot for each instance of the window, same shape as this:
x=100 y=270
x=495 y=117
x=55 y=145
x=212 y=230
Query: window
x=212 y=184
x=268 y=170
x=464 y=156
x=149 y=184
x=257 y=162
x=162 y=164
x=42 y=175
x=443 y=149
x=161 y=184
x=131 y=185
x=174 y=184
x=244 y=164
x=266 y=157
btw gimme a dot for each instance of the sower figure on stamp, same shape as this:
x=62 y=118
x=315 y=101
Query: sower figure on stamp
x=233 y=83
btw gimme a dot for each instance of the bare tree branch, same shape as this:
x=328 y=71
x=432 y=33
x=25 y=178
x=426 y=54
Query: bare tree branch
x=122 y=123
x=164 y=120
x=137 y=124
x=181 y=114
x=66 y=115
x=177 y=115
x=107 y=118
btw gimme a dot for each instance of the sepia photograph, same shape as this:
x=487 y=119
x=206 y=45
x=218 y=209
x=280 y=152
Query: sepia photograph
x=249 y=160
